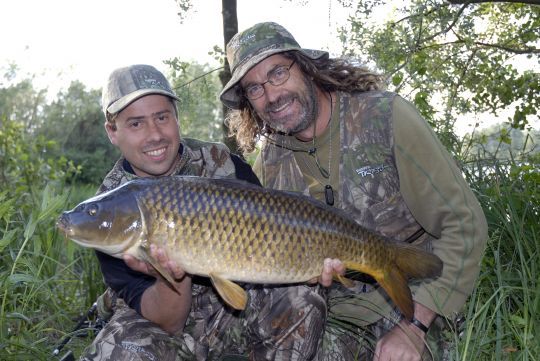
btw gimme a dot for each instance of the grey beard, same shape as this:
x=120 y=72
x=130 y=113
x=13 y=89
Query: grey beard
x=310 y=109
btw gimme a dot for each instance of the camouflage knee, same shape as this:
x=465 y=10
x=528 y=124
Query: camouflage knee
x=439 y=342
x=285 y=323
x=129 y=336
x=345 y=342
x=213 y=329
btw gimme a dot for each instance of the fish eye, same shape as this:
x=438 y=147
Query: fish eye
x=92 y=209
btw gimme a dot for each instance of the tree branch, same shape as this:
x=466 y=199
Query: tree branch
x=510 y=50
x=456 y=2
x=449 y=27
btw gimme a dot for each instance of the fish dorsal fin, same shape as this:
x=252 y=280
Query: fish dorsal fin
x=232 y=294
x=145 y=256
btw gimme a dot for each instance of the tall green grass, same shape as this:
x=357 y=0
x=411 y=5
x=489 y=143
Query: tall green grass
x=45 y=280
x=502 y=317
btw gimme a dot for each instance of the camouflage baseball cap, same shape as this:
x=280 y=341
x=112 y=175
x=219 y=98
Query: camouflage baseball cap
x=125 y=85
x=251 y=46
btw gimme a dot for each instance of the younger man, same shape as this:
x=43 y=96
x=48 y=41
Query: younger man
x=151 y=320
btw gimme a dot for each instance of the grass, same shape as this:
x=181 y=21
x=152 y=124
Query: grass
x=47 y=282
x=503 y=313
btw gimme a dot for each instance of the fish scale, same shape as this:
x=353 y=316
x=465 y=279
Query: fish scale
x=230 y=231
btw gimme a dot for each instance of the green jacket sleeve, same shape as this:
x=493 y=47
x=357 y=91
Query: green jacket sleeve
x=443 y=204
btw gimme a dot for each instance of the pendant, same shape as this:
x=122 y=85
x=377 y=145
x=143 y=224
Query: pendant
x=329 y=195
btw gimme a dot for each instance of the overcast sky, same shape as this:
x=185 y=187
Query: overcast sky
x=64 y=40
x=86 y=39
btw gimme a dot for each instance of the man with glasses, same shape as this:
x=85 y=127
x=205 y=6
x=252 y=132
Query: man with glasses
x=329 y=130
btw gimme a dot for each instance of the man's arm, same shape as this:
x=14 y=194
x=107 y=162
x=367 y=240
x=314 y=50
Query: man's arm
x=443 y=204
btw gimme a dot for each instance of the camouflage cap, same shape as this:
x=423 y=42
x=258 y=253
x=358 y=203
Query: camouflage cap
x=251 y=46
x=125 y=85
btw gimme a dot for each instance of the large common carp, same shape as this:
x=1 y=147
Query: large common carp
x=229 y=230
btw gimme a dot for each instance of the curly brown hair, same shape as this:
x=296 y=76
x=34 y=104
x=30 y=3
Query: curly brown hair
x=329 y=74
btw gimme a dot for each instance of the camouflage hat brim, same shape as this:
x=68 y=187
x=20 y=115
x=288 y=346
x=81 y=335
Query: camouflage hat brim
x=230 y=97
x=126 y=100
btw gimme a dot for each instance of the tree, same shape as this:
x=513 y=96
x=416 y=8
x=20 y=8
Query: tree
x=75 y=121
x=454 y=60
x=198 y=109
x=230 y=28
x=504 y=143
x=20 y=100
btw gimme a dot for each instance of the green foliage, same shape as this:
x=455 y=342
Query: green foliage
x=21 y=101
x=45 y=281
x=500 y=142
x=184 y=7
x=454 y=60
x=199 y=109
x=503 y=314
x=75 y=120
x=27 y=161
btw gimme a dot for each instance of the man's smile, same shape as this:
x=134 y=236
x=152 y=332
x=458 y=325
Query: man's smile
x=156 y=152
x=282 y=106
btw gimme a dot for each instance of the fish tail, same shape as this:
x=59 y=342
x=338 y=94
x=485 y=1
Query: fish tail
x=408 y=262
x=416 y=262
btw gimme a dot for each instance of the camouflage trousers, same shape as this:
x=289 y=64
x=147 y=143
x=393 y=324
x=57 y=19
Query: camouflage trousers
x=351 y=343
x=279 y=323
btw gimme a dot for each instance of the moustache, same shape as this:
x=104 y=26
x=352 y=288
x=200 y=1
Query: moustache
x=278 y=103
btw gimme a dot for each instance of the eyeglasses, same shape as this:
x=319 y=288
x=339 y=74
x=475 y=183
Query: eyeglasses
x=276 y=77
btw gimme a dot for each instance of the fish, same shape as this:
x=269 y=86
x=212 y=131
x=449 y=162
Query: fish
x=235 y=232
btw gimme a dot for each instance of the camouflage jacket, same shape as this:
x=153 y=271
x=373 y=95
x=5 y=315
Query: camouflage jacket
x=408 y=190
x=198 y=158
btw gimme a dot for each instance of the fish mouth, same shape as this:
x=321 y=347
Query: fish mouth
x=64 y=226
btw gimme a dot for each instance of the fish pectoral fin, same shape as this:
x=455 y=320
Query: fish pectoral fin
x=147 y=257
x=394 y=283
x=232 y=294
x=344 y=281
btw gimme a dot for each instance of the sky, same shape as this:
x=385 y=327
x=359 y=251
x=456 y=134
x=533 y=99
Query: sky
x=86 y=40
x=58 y=41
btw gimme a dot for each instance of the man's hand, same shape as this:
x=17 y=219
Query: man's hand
x=330 y=268
x=405 y=341
x=158 y=254
x=167 y=307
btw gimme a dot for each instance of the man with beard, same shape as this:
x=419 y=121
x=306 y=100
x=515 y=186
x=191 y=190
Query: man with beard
x=329 y=130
